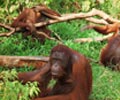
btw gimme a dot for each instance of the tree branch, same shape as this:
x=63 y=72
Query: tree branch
x=12 y=30
x=21 y=61
x=83 y=40
x=48 y=37
x=94 y=12
x=97 y=21
x=106 y=19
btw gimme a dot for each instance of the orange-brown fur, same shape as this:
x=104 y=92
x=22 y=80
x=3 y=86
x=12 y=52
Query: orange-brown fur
x=75 y=85
x=110 y=54
x=29 y=16
x=104 y=29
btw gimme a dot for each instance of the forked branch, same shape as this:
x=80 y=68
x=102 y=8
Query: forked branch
x=12 y=30
x=105 y=19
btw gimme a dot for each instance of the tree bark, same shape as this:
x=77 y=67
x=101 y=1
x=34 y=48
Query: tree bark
x=100 y=39
x=22 y=61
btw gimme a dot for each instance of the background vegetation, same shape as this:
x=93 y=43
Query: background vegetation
x=106 y=83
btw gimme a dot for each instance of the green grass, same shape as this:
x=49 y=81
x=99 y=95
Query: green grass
x=106 y=83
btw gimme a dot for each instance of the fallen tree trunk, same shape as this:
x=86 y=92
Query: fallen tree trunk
x=22 y=61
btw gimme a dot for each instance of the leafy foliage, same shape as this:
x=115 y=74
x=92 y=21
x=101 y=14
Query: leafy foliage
x=11 y=89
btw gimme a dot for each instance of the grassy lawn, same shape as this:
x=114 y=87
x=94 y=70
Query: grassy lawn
x=106 y=83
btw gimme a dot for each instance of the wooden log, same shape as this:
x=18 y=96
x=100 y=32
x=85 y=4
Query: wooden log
x=22 y=61
x=95 y=39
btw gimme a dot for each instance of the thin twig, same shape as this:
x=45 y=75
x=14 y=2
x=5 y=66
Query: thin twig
x=48 y=37
x=12 y=30
x=57 y=36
